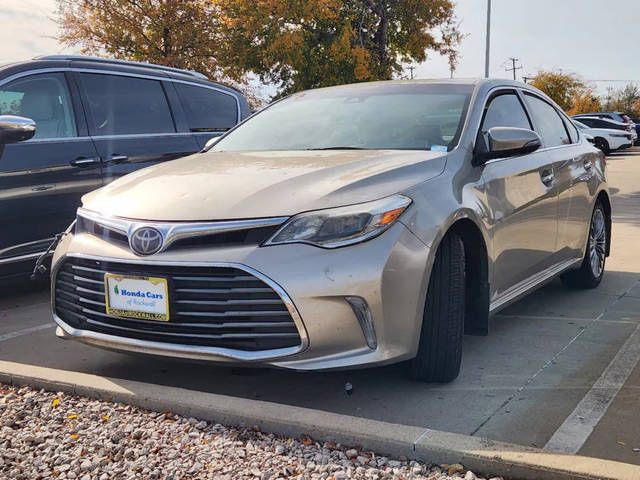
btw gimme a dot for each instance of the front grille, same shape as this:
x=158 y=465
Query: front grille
x=241 y=236
x=220 y=307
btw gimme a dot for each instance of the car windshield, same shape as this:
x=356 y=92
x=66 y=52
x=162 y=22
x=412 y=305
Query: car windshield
x=377 y=117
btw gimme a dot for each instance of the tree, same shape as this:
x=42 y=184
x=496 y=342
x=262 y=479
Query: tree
x=584 y=101
x=176 y=33
x=623 y=99
x=295 y=44
x=559 y=86
x=305 y=44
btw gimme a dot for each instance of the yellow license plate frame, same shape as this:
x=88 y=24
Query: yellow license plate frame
x=133 y=313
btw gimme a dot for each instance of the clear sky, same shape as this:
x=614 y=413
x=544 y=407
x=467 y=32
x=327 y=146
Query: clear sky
x=596 y=39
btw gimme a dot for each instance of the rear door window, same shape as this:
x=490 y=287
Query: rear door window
x=208 y=110
x=120 y=105
x=548 y=122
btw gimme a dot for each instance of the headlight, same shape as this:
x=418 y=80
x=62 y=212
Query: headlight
x=337 y=227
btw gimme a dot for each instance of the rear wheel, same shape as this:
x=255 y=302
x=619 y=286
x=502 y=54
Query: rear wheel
x=591 y=271
x=440 y=349
x=603 y=145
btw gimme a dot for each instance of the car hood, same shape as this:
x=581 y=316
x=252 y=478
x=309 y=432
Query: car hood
x=234 y=185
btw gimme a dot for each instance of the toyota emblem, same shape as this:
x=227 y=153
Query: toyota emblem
x=146 y=241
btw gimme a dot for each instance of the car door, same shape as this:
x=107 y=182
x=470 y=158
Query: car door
x=42 y=179
x=573 y=170
x=131 y=122
x=573 y=166
x=521 y=202
x=209 y=111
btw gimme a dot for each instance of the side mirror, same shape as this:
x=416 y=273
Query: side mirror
x=211 y=142
x=508 y=142
x=16 y=129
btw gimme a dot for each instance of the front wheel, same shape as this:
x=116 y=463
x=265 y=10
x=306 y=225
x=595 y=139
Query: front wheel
x=590 y=273
x=440 y=348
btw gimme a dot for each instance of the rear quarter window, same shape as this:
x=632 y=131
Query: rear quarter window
x=207 y=110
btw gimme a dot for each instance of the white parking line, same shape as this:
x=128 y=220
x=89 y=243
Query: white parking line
x=26 y=331
x=575 y=430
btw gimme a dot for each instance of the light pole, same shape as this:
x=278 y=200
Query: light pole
x=486 y=55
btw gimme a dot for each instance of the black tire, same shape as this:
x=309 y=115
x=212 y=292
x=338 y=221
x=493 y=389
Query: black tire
x=588 y=276
x=603 y=145
x=440 y=349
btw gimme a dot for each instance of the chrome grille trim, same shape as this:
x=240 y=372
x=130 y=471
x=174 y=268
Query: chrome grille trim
x=176 y=349
x=174 y=231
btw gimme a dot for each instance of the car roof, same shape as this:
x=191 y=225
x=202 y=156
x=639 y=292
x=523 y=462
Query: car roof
x=592 y=117
x=140 y=68
x=476 y=83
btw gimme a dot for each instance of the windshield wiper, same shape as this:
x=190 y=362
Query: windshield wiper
x=337 y=148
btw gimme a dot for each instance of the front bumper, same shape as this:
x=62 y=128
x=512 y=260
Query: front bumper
x=388 y=272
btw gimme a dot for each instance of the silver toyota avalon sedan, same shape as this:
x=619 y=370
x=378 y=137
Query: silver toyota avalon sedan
x=341 y=227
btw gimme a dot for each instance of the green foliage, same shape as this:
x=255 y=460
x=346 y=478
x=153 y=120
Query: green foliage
x=559 y=86
x=294 y=44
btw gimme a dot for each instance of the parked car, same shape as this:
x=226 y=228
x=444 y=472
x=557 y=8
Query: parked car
x=96 y=120
x=607 y=139
x=636 y=121
x=615 y=116
x=595 y=122
x=348 y=226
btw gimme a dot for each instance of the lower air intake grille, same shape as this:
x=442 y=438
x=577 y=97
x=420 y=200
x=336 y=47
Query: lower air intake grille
x=221 y=307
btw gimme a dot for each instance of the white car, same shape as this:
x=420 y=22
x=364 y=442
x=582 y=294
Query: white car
x=607 y=139
x=594 y=121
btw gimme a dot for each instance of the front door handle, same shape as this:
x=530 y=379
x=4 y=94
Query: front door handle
x=547 y=177
x=117 y=158
x=84 y=161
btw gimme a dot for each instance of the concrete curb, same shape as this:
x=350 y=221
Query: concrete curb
x=480 y=455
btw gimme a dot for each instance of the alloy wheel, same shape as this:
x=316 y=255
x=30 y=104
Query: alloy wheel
x=597 y=242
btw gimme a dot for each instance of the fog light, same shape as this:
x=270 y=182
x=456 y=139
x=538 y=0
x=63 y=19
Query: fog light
x=363 y=314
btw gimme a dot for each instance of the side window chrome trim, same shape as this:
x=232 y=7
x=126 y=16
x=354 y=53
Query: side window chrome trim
x=124 y=74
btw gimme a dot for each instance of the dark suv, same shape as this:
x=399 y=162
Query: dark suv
x=96 y=120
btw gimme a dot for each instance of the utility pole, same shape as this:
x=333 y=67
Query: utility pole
x=411 y=69
x=526 y=79
x=486 y=55
x=514 y=68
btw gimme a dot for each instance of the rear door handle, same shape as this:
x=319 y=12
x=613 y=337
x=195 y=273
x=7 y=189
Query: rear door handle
x=587 y=165
x=547 y=177
x=84 y=161
x=117 y=158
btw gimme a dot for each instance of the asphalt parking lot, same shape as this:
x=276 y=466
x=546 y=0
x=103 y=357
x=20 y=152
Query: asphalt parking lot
x=554 y=365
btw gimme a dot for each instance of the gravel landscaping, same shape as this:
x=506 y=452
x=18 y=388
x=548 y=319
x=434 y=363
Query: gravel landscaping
x=55 y=435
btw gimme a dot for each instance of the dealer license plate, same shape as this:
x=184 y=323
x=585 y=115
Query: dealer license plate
x=144 y=298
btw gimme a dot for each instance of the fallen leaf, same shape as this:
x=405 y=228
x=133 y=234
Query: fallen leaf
x=74 y=436
x=105 y=418
x=72 y=417
x=456 y=467
x=307 y=441
x=621 y=443
x=55 y=403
